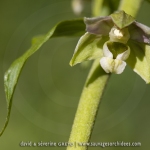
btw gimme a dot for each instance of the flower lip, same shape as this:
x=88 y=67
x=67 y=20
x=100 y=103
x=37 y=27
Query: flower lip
x=112 y=65
x=116 y=50
x=114 y=58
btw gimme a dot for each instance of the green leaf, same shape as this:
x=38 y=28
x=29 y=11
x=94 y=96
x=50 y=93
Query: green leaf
x=89 y=47
x=121 y=19
x=139 y=60
x=65 y=28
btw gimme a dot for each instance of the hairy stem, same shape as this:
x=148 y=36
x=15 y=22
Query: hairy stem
x=88 y=106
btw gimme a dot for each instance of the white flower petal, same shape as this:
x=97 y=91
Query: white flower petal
x=124 y=55
x=106 y=51
x=112 y=65
x=107 y=64
x=119 y=66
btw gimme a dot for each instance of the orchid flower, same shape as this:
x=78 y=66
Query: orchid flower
x=115 y=40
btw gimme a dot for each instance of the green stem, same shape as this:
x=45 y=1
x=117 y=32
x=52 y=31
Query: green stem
x=88 y=106
x=97 y=5
x=130 y=6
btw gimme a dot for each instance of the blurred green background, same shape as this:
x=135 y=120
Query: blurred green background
x=48 y=90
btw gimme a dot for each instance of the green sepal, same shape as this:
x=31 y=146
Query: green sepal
x=139 y=60
x=121 y=19
x=89 y=47
x=64 y=28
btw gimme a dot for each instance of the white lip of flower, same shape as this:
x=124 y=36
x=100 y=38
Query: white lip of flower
x=111 y=65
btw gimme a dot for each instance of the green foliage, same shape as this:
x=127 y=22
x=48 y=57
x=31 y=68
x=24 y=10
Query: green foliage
x=65 y=28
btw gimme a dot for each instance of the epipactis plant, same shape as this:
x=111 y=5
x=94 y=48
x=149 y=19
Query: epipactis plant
x=116 y=40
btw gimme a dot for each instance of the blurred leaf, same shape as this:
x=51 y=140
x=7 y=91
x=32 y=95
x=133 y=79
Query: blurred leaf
x=139 y=60
x=89 y=47
x=65 y=28
x=97 y=6
x=148 y=0
x=113 y=4
x=104 y=7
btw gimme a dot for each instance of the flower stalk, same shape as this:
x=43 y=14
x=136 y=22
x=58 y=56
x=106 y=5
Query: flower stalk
x=88 y=106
